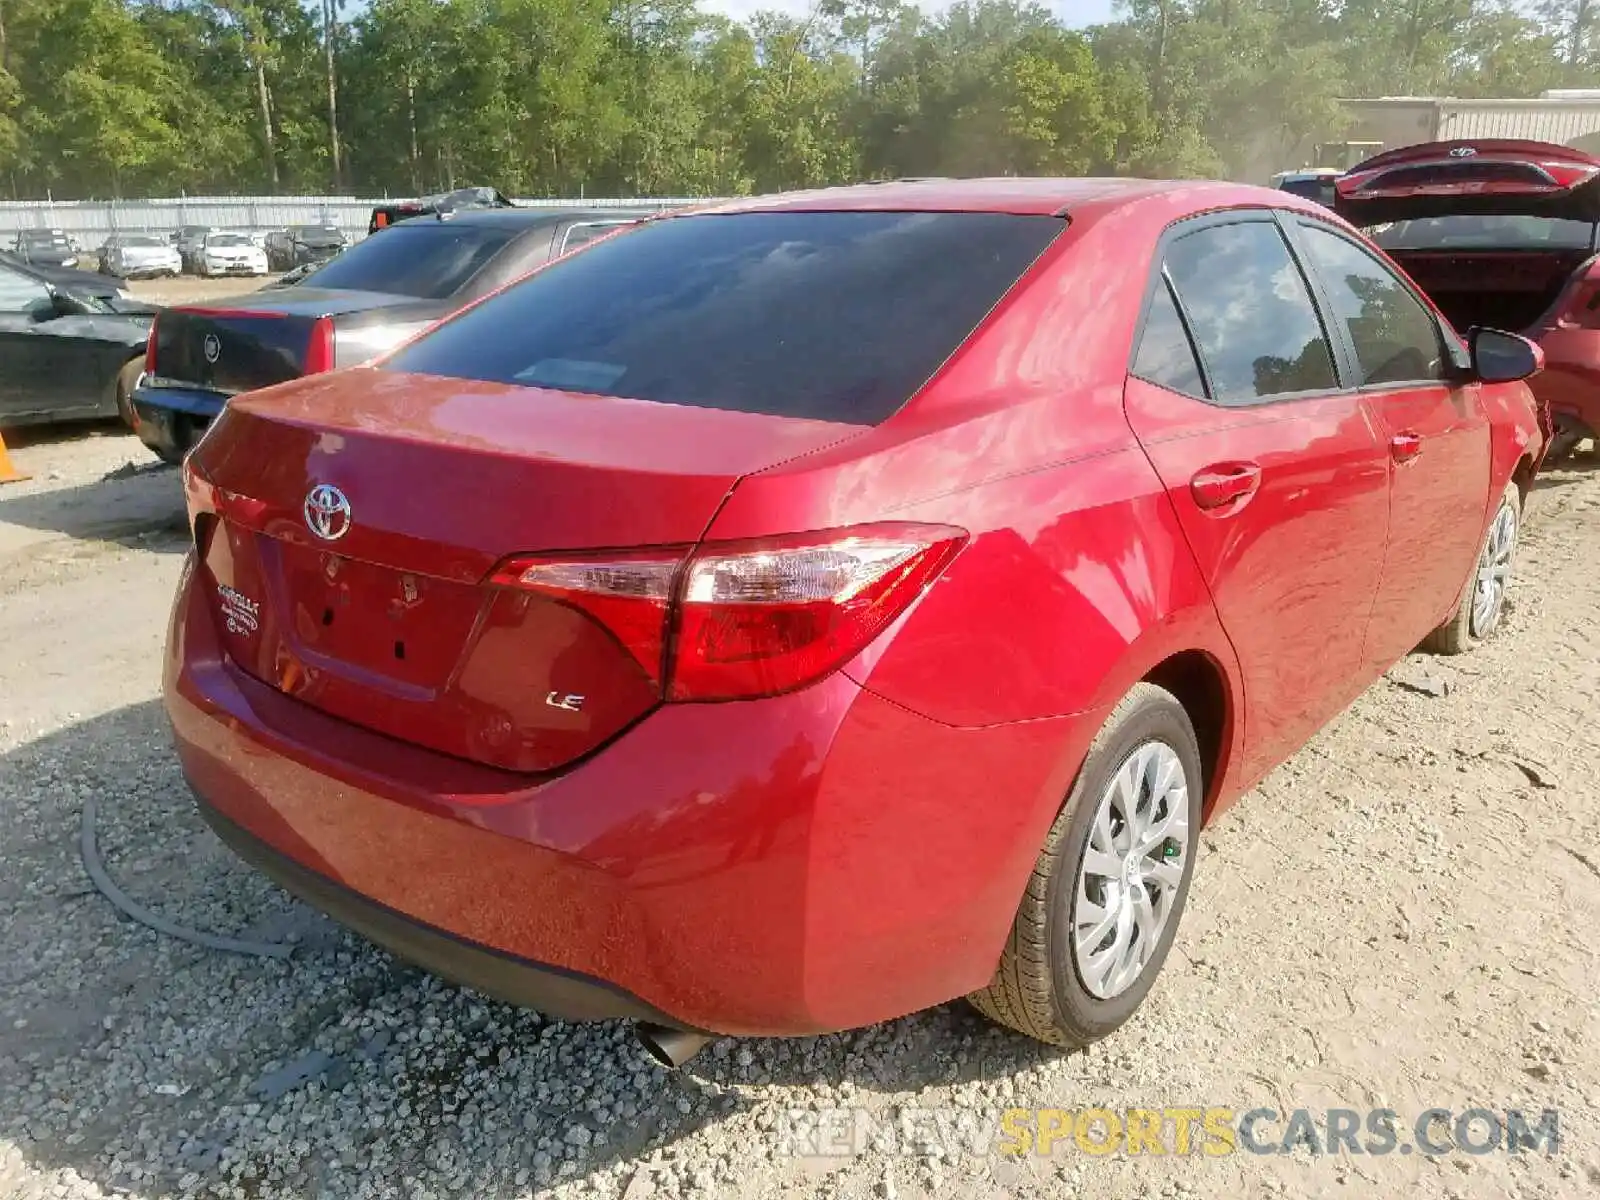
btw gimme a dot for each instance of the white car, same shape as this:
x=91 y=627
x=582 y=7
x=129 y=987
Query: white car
x=231 y=254
x=139 y=256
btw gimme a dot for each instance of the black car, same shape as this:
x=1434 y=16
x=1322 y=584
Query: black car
x=45 y=248
x=370 y=298
x=303 y=245
x=65 y=354
x=460 y=200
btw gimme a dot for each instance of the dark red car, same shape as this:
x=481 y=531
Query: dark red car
x=1500 y=233
x=783 y=618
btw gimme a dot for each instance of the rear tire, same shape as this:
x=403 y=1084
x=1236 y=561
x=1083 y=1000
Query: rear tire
x=126 y=379
x=1077 y=964
x=1482 y=603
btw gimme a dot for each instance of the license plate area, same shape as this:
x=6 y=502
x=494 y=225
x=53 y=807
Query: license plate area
x=353 y=617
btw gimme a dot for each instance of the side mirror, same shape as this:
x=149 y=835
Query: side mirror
x=1501 y=357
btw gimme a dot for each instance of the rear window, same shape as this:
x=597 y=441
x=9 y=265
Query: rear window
x=45 y=239
x=833 y=316
x=1484 y=233
x=430 y=260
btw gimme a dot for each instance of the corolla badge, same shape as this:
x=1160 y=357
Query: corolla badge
x=1463 y=152
x=327 y=512
x=212 y=347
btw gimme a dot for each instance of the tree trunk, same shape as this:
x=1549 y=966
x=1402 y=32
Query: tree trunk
x=265 y=98
x=329 y=28
x=1578 y=35
x=411 y=120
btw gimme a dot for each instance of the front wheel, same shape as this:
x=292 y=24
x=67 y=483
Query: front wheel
x=1103 y=905
x=1482 y=603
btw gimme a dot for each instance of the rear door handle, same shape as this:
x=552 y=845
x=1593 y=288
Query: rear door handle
x=1223 y=483
x=1405 y=446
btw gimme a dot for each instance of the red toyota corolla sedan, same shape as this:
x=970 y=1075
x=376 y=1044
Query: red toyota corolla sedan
x=785 y=617
x=1503 y=234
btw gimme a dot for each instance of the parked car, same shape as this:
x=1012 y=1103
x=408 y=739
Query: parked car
x=1314 y=183
x=1500 y=233
x=459 y=200
x=45 y=248
x=785 y=617
x=89 y=286
x=303 y=245
x=224 y=253
x=64 y=355
x=139 y=256
x=190 y=239
x=367 y=300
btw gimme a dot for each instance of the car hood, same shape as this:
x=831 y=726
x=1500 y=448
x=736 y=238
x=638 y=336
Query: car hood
x=1484 y=177
x=78 y=283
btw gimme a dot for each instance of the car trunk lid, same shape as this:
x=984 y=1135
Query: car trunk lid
x=1487 y=177
x=261 y=341
x=390 y=622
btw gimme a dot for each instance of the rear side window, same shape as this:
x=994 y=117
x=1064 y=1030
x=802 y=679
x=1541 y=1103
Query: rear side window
x=1166 y=357
x=1251 y=313
x=1395 y=338
x=430 y=261
x=830 y=316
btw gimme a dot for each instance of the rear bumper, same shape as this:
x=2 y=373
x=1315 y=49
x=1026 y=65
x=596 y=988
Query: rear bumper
x=169 y=419
x=566 y=995
x=1570 y=381
x=790 y=866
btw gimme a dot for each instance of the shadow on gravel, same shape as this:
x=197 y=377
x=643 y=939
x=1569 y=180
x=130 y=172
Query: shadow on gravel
x=121 y=506
x=148 y=1065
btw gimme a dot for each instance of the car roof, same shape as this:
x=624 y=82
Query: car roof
x=527 y=218
x=1023 y=196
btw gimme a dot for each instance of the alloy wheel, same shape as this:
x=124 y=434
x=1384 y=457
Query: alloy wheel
x=1132 y=870
x=1494 y=572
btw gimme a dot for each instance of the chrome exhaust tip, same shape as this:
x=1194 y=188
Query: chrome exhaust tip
x=670 y=1047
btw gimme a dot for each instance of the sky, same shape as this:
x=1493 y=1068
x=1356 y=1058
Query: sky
x=1074 y=13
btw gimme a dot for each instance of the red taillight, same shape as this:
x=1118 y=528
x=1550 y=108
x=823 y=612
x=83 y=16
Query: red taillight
x=628 y=593
x=150 y=347
x=735 y=620
x=319 y=351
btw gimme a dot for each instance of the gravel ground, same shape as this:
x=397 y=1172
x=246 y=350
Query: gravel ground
x=188 y=288
x=1398 y=917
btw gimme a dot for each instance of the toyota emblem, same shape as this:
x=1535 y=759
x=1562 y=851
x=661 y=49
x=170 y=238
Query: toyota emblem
x=212 y=347
x=327 y=512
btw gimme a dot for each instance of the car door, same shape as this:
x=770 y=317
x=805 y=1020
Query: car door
x=26 y=386
x=1435 y=426
x=1274 y=465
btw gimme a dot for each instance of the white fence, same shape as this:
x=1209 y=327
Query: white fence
x=92 y=221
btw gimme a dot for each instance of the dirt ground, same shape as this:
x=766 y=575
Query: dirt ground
x=1399 y=917
x=186 y=289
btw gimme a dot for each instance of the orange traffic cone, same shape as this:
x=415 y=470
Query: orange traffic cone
x=8 y=472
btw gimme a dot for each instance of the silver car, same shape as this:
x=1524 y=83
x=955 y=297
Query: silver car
x=139 y=256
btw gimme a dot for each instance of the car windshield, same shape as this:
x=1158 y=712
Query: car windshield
x=40 y=238
x=430 y=260
x=227 y=239
x=144 y=241
x=829 y=316
x=315 y=234
x=1484 y=233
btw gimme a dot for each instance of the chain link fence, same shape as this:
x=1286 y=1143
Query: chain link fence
x=90 y=222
